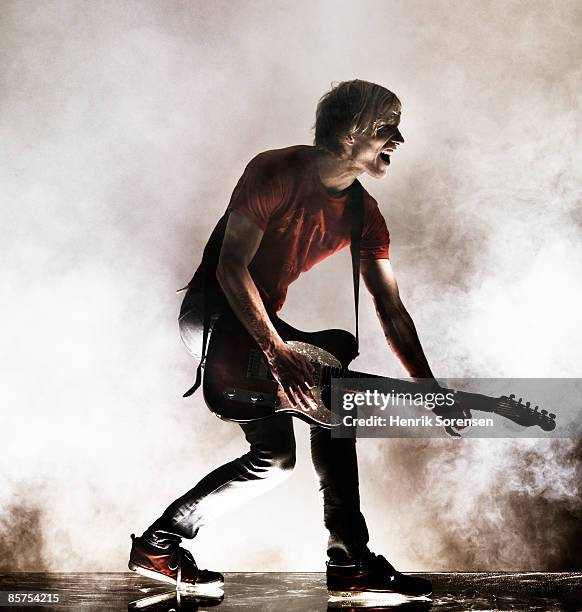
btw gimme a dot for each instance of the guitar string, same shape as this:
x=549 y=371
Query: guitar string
x=502 y=409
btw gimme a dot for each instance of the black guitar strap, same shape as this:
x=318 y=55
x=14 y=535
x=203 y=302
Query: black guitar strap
x=356 y=212
x=205 y=332
x=209 y=294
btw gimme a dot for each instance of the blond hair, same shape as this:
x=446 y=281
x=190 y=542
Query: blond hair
x=353 y=107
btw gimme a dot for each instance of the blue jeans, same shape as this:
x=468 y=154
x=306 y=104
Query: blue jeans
x=270 y=459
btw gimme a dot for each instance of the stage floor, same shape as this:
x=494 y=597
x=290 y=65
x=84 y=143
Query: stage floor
x=295 y=592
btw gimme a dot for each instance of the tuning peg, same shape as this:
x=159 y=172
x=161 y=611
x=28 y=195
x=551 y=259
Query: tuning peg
x=527 y=404
x=536 y=408
x=519 y=401
x=544 y=412
x=552 y=415
x=512 y=396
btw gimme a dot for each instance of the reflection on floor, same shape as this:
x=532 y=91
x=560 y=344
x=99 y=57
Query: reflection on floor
x=294 y=592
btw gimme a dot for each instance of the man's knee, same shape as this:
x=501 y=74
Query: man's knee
x=275 y=461
x=284 y=461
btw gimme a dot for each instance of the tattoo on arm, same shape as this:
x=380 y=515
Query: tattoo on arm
x=246 y=303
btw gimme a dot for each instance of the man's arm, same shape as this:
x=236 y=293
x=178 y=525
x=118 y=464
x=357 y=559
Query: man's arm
x=400 y=331
x=396 y=322
x=241 y=241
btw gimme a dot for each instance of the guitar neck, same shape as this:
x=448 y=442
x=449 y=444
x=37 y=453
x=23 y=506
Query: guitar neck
x=476 y=401
x=508 y=407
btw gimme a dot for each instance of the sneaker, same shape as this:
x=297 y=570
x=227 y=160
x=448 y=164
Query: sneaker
x=373 y=578
x=174 y=565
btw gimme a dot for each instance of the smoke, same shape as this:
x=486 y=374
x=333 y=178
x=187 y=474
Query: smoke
x=480 y=505
x=21 y=536
x=125 y=126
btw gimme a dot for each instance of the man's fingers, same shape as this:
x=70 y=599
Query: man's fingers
x=307 y=381
x=291 y=395
x=452 y=432
x=306 y=387
x=305 y=397
x=304 y=373
x=297 y=377
x=296 y=396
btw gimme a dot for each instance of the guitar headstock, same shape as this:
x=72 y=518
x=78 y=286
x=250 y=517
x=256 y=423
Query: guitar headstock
x=524 y=414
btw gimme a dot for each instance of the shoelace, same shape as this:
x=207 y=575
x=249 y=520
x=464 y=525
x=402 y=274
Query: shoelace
x=179 y=555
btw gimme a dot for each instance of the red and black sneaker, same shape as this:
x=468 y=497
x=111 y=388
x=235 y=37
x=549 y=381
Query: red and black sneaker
x=174 y=565
x=373 y=578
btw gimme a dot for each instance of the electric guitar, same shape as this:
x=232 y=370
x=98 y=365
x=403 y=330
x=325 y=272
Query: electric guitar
x=238 y=384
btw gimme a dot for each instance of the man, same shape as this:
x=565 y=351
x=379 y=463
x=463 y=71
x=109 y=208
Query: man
x=288 y=212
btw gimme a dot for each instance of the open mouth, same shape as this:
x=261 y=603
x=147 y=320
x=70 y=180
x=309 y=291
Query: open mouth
x=385 y=152
x=385 y=157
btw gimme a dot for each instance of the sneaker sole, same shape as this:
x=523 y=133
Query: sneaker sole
x=386 y=597
x=207 y=588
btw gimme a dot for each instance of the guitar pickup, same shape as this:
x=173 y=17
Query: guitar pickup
x=269 y=400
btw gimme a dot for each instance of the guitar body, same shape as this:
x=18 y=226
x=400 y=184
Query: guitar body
x=238 y=385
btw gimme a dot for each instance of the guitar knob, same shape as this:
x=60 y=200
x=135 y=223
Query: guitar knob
x=230 y=393
x=256 y=397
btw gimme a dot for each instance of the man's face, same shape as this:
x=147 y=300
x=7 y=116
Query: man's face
x=371 y=154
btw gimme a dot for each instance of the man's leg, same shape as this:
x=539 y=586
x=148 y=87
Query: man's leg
x=157 y=553
x=269 y=460
x=353 y=571
x=336 y=465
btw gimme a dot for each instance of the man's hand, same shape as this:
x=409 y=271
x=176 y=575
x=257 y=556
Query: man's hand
x=294 y=373
x=458 y=411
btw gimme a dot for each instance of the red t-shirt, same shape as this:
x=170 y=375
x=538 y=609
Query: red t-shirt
x=281 y=192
